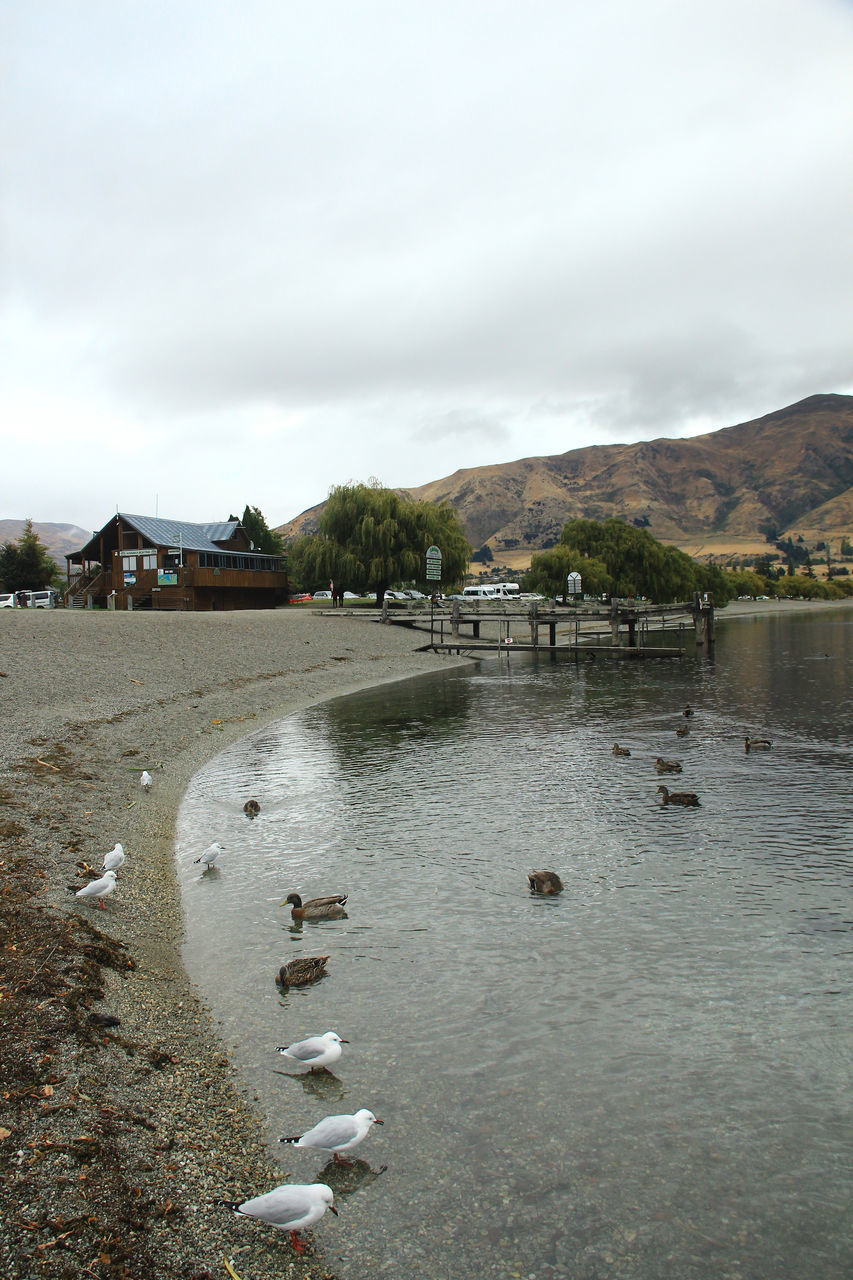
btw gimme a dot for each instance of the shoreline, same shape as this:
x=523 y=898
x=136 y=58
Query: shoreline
x=88 y=700
x=129 y=1133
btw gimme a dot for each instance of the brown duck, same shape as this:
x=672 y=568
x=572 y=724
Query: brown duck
x=544 y=882
x=299 y=973
x=667 y=766
x=686 y=798
x=329 y=908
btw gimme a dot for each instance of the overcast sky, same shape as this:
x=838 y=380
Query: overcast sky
x=254 y=249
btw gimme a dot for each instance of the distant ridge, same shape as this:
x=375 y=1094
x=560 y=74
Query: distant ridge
x=60 y=539
x=789 y=469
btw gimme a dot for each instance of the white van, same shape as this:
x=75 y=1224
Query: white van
x=42 y=599
x=479 y=593
x=507 y=590
x=7 y=600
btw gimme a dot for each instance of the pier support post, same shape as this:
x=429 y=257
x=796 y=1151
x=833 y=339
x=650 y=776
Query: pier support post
x=614 y=623
x=454 y=620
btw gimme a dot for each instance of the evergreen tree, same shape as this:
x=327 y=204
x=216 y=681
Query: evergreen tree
x=26 y=565
x=266 y=541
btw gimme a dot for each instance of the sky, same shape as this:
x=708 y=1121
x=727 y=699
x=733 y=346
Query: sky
x=252 y=250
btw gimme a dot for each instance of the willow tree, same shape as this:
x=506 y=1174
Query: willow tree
x=639 y=565
x=549 y=571
x=370 y=538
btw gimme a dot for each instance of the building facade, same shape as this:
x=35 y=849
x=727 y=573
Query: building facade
x=143 y=562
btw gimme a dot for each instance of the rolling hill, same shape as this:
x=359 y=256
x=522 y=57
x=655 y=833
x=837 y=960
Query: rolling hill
x=791 y=470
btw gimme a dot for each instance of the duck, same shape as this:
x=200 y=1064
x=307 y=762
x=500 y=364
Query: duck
x=299 y=973
x=620 y=751
x=686 y=798
x=757 y=744
x=667 y=766
x=688 y=710
x=316 y=1051
x=329 y=908
x=682 y=731
x=251 y=808
x=544 y=882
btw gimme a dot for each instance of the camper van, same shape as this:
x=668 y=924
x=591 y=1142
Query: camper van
x=507 y=590
x=492 y=591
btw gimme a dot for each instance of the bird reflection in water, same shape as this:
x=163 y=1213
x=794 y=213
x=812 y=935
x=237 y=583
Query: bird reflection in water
x=346 y=1179
x=322 y=1084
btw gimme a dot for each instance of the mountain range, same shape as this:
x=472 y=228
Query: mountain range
x=790 y=471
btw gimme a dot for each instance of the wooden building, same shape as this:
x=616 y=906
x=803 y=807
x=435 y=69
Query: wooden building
x=142 y=562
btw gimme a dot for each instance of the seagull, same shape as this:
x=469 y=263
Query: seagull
x=316 y=1051
x=337 y=1133
x=290 y=1207
x=209 y=856
x=114 y=859
x=98 y=888
x=145 y=781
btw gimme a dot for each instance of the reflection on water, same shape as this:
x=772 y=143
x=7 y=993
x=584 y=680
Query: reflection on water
x=648 y=1075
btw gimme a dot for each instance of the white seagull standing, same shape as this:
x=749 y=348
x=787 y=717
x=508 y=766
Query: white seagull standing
x=337 y=1133
x=146 y=781
x=316 y=1051
x=114 y=859
x=290 y=1207
x=98 y=888
x=210 y=855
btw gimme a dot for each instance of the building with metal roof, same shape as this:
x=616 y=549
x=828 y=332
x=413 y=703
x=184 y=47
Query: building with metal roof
x=145 y=562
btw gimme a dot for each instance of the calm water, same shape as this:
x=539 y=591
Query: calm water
x=646 y=1077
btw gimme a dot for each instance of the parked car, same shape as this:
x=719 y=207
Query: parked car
x=322 y=595
x=414 y=595
x=7 y=600
x=43 y=599
x=399 y=597
x=351 y=595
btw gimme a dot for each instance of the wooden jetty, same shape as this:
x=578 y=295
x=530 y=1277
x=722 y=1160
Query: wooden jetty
x=620 y=629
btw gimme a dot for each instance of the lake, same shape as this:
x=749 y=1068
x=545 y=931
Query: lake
x=645 y=1076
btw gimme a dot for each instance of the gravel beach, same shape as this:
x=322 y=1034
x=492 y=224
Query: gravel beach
x=115 y=1140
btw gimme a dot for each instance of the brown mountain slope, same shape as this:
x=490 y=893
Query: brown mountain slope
x=59 y=539
x=792 y=468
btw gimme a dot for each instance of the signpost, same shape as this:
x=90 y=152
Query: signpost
x=433 y=574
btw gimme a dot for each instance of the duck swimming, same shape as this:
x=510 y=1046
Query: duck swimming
x=667 y=766
x=620 y=751
x=544 y=882
x=329 y=908
x=299 y=973
x=682 y=730
x=757 y=744
x=688 y=710
x=251 y=808
x=686 y=798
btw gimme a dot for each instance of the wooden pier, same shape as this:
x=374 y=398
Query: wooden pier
x=621 y=629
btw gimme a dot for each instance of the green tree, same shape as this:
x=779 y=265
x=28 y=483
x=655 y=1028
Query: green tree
x=639 y=565
x=550 y=569
x=371 y=538
x=266 y=540
x=26 y=565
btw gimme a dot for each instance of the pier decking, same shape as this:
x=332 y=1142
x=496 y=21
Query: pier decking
x=621 y=629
